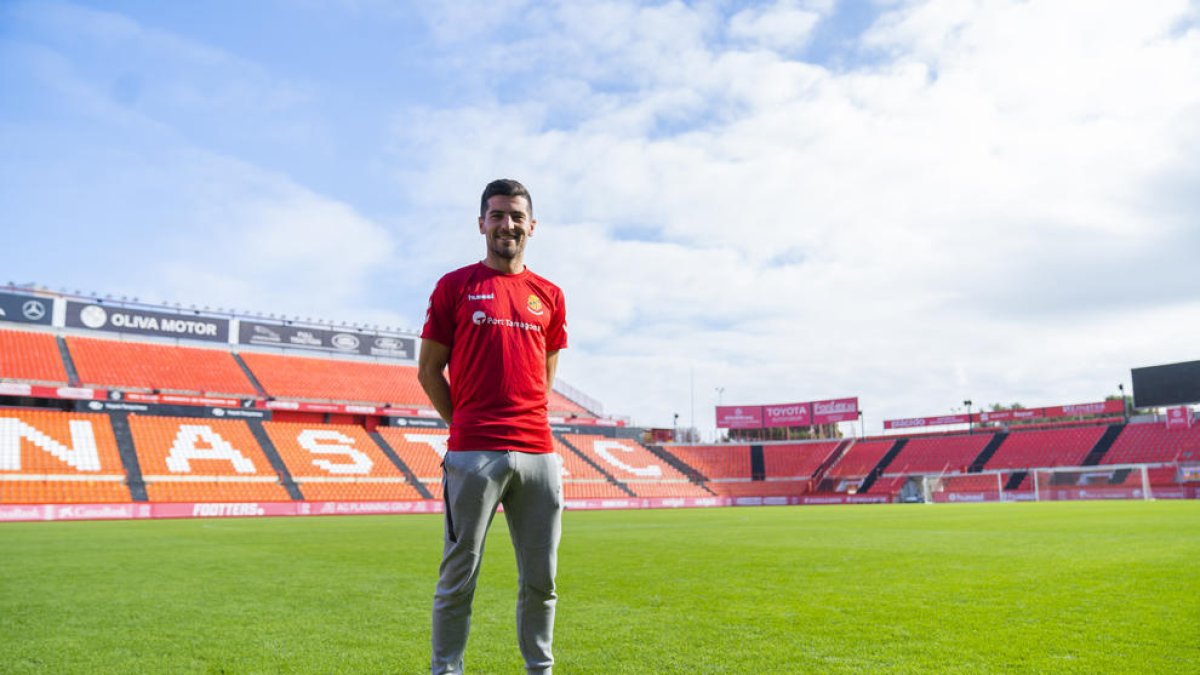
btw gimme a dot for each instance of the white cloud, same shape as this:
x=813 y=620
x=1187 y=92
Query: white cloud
x=255 y=240
x=785 y=26
x=894 y=230
x=988 y=200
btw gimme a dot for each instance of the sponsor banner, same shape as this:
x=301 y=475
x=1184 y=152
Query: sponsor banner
x=369 y=508
x=27 y=512
x=647 y=503
x=965 y=497
x=1010 y=415
x=15 y=389
x=409 y=412
x=586 y=421
x=325 y=340
x=113 y=406
x=302 y=406
x=131 y=406
x=814 y=500
x=787 y=415
x=20 y=308
x=418 y=422
x=1179 y=417
x=925 y=421
x=126 y=511
x=1019 y=496
x=176 y=399
x=836 y=410
x=38 y=391
x=95 y=316
x=739 y=416
x=1099 y=408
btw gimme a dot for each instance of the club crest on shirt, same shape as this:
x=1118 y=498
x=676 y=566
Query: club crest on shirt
x=534 y=304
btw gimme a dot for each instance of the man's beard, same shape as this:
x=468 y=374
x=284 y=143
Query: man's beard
x=501 y=248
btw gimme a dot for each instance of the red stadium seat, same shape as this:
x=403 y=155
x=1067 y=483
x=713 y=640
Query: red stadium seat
x=302 y=377
x=338 y=463
x=1152 y=443
x=200 y=460
x=31 y=357
x=147 y=366
x=639 y=469
x=57 y=457
x=938 y=454
x=860 y=458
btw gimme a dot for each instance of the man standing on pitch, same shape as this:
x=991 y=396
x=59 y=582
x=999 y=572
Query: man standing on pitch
x=499 y=327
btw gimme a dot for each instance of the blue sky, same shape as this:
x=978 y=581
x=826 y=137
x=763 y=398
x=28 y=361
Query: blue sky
x=912 y=202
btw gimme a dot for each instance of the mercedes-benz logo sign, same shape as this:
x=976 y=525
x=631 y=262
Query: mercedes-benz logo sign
x=33 y=310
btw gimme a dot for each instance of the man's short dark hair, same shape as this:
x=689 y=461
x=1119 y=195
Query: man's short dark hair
x=506 y=187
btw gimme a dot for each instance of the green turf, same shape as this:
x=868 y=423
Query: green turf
x=1059 y=587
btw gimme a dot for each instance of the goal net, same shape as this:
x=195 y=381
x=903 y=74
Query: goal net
x=1091 y=482
x=968 y=487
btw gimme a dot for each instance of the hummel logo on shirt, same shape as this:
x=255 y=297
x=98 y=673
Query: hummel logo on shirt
x=485 y=296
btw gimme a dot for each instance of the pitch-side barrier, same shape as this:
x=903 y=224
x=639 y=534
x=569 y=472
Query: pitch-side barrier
x=140 y=511
x=1066 y=494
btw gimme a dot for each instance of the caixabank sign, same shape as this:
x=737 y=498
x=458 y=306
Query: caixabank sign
x=20 y=308
x=95 y=316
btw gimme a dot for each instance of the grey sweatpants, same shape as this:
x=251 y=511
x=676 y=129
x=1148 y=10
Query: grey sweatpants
x=530 y=487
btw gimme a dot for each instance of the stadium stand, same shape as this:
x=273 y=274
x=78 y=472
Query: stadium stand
x=581 y=480
x=338 y=463
x=421 y=450
x=636 y=467
x=311 y=378
x=561 y=405
x=796 y=460
x=860 y=459
x=60 y=458
x=887 y=485
x=718 y=463
x=1154 y=443
x=1045 y=447
x=148 y=367
x=331 y=452
x=31 y=357
x=201 y=460
x=762 y=488
x=938 y=454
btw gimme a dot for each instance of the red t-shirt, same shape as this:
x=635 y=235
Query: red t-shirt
x=499 y=328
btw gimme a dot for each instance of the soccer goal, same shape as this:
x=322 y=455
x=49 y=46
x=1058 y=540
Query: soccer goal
x=1115 y=481
x=966 y=487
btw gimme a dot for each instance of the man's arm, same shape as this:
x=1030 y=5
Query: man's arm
x=431 y=367
x=551 y=366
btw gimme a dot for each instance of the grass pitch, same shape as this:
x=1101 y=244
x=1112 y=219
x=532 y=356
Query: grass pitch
x=1079 y=587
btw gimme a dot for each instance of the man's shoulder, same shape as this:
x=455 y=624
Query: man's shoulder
x=460 y=275
x=542 y=282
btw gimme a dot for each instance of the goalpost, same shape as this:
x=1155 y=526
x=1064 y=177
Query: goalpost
x=968 y=487
x=1108 y=481
x=1105 y=481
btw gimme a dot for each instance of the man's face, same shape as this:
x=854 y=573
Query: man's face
x=506 y=224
